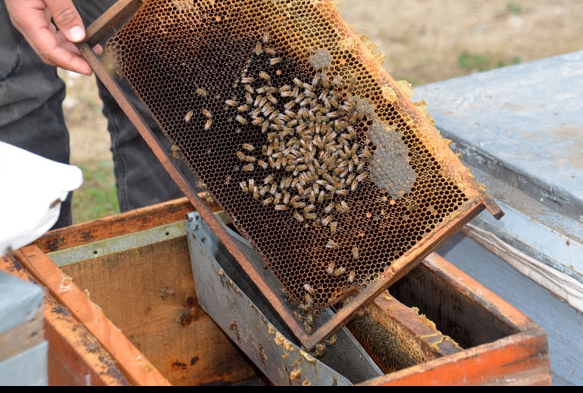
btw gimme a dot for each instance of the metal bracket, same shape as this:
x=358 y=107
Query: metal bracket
x=238 y=307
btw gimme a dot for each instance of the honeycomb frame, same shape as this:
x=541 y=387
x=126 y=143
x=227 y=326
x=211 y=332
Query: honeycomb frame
x=288 y=118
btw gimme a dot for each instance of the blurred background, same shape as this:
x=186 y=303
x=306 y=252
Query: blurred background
x=423 y=41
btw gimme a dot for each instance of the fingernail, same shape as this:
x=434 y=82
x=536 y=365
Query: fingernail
x=76 y=34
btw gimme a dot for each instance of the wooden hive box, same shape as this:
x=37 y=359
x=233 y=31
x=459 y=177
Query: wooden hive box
x=121 y=309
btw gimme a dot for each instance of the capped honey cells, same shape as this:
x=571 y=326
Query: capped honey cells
x=290 y=120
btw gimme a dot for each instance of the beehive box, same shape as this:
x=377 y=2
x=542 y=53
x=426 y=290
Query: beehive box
x=122 y=310
x=288 y=119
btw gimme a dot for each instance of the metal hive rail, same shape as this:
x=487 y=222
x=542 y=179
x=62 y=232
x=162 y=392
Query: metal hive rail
x=294 y=128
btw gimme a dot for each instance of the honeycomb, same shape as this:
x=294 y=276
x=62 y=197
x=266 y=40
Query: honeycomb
x=295 y=129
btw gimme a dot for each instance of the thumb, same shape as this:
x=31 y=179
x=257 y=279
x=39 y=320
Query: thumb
x=67 y=19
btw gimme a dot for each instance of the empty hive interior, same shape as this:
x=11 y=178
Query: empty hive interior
x=293 y=126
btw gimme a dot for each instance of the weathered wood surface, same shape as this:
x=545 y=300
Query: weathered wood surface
x=75 y=357
x=504 y=346
x=136 y=367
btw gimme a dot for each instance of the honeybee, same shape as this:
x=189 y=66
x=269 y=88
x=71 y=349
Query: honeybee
x=248 y=146
x=244 y=108
x=300 y=205
x=361 y=177
x=355 y=252
x=332 y=340
x=208 y=124
x=329 y=208
x=188 y=116
x=311 y=216
x=201 y=92
x=207 y=113
x=248 y=168
x=248 y=98
x=279 y=208
x=264 y=190
x=326 y=220
x=299 y=217
x=287 y=183
x=340 y=271
x=309 y=288
x=232 y=103
x=241 y=119
x=260 y=102
x=331 y=267
x=299 y=98
x=272 y=99
x=176 y=153
x=350 y=179
x=333 y=227
x=258 y=49
x=351 y=277
x=316 y=80
x=270 y=51
x=264 y=165
x=244 y=186
x=342 y=207
x=286 y=198
x=332 y=244
x=309 y=208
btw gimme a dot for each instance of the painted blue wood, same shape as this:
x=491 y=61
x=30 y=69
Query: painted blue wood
x=20 y=302
x=520 y=131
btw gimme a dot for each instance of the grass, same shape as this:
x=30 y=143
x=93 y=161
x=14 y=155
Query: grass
x=97 y=197
x=514 y=8
x=479 y=63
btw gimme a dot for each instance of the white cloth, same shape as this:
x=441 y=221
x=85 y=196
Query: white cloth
x=31 y=189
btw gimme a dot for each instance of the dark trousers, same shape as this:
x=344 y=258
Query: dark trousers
x=31 y=117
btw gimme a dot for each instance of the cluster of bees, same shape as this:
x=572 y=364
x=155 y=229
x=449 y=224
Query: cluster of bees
x=311 y=158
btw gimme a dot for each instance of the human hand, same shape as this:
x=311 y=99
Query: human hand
x=54 y=43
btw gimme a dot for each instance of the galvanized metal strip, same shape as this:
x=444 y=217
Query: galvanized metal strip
x=249 y=320
x=118 y=244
